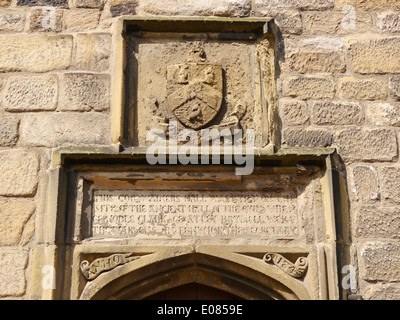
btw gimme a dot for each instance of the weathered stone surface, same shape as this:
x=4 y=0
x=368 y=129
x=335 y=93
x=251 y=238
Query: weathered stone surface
x=93 y=51
x=367 y=144
x=12 y=20
x=183 y=81
x=5 y=3
x=299 y=4
x=381 y=261
x=394 y=87
x=383 y=292
x=13 y=263
x=308 y=87
x=308 y=138
x=388 y=21
x=374 y=222
x=288 y=21
x=81 y=19
x=225 y=8
x=8 y=131
x=51 y=3
x=34 y=53
x=36 y=93
x=85 y=92
x=28 y=232
x=318 y=44
x=368 y=4
x=89 y=3
x=364 y=53
x=337 y=113
x=365 y=186
x=123 y=7
x=13 y=217
x=362 y=89
x=65 y=129
x=390 y=183
x=294 y=112
x=382 y=114
x=40 y=21
x=311 y=61
x=333 y=22
x=18 y=172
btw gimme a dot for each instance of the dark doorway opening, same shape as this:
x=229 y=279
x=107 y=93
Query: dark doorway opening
x=193 y=291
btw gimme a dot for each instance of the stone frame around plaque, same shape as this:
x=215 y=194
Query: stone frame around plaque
x=255 y=34
x=293 y=270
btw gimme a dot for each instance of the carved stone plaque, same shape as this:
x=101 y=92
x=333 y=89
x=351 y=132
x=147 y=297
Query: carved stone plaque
x=219 y=80
x=187 y=214
x=194 y=93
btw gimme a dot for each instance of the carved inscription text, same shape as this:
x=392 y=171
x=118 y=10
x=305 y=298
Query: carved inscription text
x=191 y=214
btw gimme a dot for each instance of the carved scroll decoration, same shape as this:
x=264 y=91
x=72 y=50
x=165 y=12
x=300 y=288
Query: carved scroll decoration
x=92 y=270
x=295 y=270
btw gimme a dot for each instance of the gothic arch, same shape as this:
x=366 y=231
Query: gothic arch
x=238 y=274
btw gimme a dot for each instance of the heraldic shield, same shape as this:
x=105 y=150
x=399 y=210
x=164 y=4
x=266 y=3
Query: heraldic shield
x=195 y=93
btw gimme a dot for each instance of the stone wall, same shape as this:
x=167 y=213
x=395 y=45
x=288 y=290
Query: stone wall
x=338 y=85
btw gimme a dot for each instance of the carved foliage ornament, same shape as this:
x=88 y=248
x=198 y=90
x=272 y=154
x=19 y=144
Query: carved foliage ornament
x=295 y=270
x=92 y=270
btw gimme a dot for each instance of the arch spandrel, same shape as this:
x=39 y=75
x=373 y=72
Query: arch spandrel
x=243 y=276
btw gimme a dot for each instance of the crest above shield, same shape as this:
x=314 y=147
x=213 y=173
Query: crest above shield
x=195 y=93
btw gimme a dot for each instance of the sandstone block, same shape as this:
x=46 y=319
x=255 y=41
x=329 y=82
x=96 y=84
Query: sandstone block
x=388 y=22
x=308 y=87
x=89 y=3
x=368 y=5
x=364 y=54
x=365 y=183
x=13 y=217
x=307 y=138
x=383 y=292
x=81 y=19
x=123 y=7
x=335 y=22
x=13 y=263
x=36 y=93
x=40 y=21
x=34 y=53
x=65 y=129
x=85 y=92
x=298 y=4
x=5 y=3
x=374 y=222
x=316 y=61
x=382 y=114
x=390 y=183
x=394 y=87
x=381 y=261
x=294 y=112
x=288 y=21
x=367 y=144
x=93 y=51
x=224 y=8
x=8 y=131
x=12 y=20
x=337 y=113
x=362 y=89
x=18 y=173
x=319 y=44
x=50 y=3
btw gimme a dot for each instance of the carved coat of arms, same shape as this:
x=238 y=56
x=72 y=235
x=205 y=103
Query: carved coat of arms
x=195 y=92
